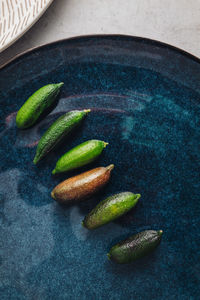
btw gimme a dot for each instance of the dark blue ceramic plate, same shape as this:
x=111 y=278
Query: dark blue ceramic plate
x=145 y=101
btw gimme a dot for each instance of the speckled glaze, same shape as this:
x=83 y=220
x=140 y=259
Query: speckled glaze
x=145 y=101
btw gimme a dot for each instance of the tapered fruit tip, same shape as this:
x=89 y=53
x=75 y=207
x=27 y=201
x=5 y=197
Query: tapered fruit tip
x=35 y=161
x=105 y=144
x=87 y=110
x=52 y=195
x=108 y=255
x=60 y=84
x=54 y=171
x=136 y=197
x=110 y=167
x=160 y=232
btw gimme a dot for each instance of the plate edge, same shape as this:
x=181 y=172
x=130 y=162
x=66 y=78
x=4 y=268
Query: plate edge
x=152 y=41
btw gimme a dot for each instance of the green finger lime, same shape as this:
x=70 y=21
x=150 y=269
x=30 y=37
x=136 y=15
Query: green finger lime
x=79 y=156
x=135 y=247
x=58 y=131
x=37 y=104
x=110 y=209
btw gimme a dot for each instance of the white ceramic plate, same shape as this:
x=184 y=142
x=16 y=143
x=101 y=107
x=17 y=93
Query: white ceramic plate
x=17 y=16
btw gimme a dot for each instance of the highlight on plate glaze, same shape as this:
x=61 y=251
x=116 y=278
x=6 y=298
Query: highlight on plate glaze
x=17 y=16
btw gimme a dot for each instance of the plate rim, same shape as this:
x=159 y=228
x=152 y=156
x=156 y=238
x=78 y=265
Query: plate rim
x=27 y=54
x=136 y=38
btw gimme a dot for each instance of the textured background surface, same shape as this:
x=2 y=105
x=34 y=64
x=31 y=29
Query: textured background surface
x=145 y=102
x=175 y=22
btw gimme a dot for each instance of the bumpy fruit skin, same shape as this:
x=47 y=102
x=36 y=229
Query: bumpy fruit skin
x=82 y=186
x=110 y=209
x=79 y=156
x=58 y=131
x=135 y=247
x=37 y=104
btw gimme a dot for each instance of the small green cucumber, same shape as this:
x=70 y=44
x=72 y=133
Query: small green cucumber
x=79 y=156
x=135 y=247
x=57 y=131
x=110 y=209
x=37 y=104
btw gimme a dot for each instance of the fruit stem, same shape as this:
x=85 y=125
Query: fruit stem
x=110 y=167
x=87 y=110
x=54 y=171
x=105 y=144
x=160 y=232
x=60 y=84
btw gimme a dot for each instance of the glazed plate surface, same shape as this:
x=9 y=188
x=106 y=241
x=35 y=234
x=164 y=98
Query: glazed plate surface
x=144 y=98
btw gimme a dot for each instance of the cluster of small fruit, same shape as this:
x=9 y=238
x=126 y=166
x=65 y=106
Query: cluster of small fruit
x=86 y=184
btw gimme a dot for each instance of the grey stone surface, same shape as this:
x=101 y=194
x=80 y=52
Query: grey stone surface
x=174 y=22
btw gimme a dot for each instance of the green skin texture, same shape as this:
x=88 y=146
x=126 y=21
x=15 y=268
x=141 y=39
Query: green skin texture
x=37 y=104
x=110 y=209
x=79 y=156
x=57 y=131
x=135 y=247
